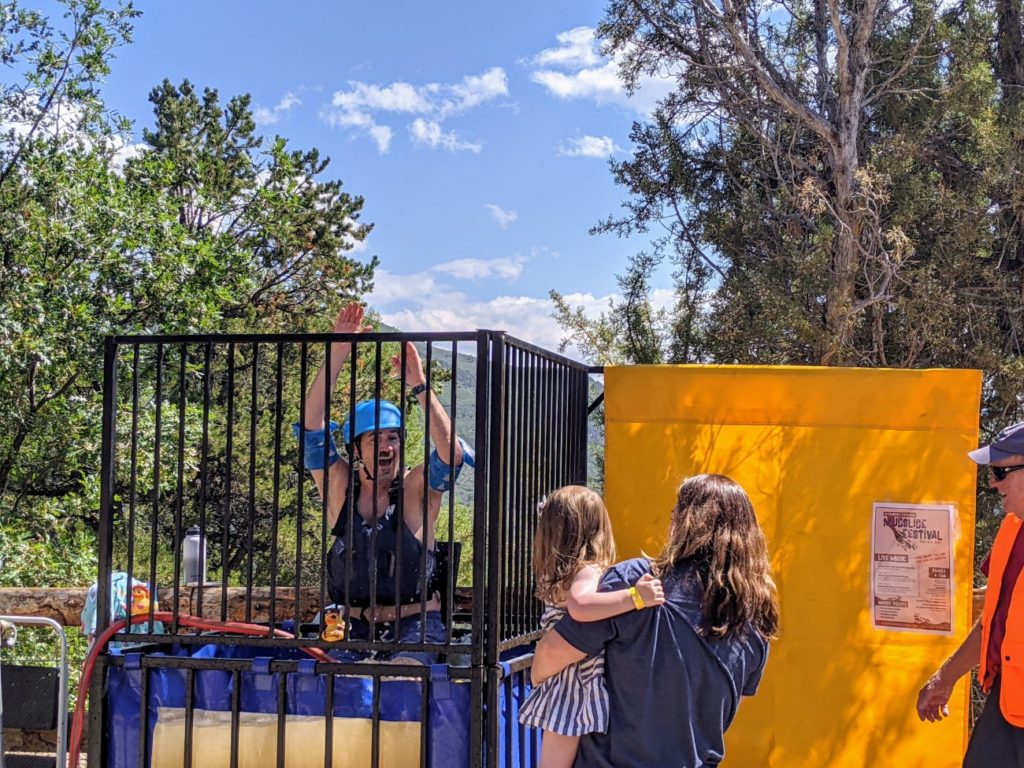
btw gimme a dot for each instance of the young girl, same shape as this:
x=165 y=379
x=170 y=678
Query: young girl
x=571 y=549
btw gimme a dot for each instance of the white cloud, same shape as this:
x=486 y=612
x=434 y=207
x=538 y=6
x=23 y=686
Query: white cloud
x=432 y=135
x=358 y=108
x=389 y=288
x=503 y=217
x=590 y=146
x=475 y=90
x=397 y=97
x=270 y=115
x=576 y=50
x=381 y=135
x=424 y=302
x=477 y=269
x=576 y=69
x=524 y=317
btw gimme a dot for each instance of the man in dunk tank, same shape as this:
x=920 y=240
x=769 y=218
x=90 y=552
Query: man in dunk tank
x=393 y=510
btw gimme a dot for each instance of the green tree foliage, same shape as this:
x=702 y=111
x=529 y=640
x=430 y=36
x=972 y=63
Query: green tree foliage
x=205 y=227
x=840 y=183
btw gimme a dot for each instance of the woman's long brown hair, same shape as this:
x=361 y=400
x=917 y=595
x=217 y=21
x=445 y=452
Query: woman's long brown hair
x=574 y=531
x=714 y=528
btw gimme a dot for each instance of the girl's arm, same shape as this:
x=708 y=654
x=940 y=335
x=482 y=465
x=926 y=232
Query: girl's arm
x=585 y=603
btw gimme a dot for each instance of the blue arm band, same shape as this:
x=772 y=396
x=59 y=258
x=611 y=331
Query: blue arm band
x=439 y=473
x=314 y=446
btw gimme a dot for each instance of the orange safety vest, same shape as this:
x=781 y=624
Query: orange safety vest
x=1011 y=698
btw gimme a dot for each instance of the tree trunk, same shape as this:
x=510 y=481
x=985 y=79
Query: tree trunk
x=840 y=298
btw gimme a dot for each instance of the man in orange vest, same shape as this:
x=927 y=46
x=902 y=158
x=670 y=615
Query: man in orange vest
x=997 y=640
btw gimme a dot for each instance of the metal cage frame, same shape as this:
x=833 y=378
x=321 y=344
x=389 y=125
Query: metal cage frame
x=531 y=420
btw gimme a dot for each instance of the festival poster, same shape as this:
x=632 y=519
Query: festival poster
x=912 y=567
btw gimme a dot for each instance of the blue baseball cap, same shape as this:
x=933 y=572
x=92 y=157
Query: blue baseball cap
x=1009 y=442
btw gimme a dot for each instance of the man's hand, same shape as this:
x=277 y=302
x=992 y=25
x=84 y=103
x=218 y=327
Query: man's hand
x=650 y=590
x=933 y=699
x=413 y=367
x=350 y=320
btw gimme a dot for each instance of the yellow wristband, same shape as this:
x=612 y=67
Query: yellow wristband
x=638 y=599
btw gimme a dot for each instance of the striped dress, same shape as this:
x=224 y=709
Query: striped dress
x=575 y=701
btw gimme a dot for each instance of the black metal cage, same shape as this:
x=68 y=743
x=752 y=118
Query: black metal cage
x=197 y=436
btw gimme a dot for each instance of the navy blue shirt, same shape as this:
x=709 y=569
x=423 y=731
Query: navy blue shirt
x=672 y=691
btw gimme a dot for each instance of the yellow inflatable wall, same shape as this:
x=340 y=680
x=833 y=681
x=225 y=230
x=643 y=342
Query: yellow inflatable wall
x=815 y=448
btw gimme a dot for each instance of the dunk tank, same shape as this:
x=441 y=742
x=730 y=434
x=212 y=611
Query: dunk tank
x=239 y=658
x=859 y=478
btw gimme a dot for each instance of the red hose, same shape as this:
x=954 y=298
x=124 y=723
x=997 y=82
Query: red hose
x=234 y=627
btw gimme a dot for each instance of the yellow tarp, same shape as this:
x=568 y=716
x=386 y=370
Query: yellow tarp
x=814 y=448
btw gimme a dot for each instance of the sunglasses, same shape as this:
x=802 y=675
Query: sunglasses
x=1000 y=473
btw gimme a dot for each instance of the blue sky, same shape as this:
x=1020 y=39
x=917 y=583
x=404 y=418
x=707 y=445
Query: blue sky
x=479 y=134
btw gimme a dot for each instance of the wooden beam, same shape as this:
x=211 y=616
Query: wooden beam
x=65 y=604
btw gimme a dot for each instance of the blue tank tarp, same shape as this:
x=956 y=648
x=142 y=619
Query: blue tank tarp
x=305 y=701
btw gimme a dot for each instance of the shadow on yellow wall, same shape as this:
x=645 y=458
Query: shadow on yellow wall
x=814 y=448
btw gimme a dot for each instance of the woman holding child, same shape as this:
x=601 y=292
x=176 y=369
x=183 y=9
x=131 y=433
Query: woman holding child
x=675 y=673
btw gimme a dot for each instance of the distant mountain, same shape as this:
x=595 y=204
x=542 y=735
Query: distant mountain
x=465 y=402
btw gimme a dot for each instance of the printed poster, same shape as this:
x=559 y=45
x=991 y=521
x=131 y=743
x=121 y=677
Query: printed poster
x=912 y=567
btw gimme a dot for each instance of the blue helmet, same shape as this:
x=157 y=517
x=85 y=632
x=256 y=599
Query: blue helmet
x=366 y=419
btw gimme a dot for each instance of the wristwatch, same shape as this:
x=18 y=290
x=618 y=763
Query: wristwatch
x=417 y=389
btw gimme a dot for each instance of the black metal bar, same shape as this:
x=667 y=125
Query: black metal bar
x=428 y=396
x=495 y=505
x=476 y=712
x=155 y=519
x=511 y=585
x=326 y=482
x=452 y=570
x=481 y=591
x=581 y=426
x=561 y=424
x=179 y=493
x=400 y=501
x=493 y=717
x=226 y=514
x=281 y=717
x=543 y=353
x=355 y=668
x=287 y=338
x=190 y=684
x=250 y=525
x=108 y=481
x=263 y=641
x=477 y=682
x=425 y=690
x=143 y=717
x=329 y=722
x=299 y=517
x=236 y=702
x=97 y=722
x=375 y=726
x=506 y=688
x=275 y=510
x=520 y=678
x=134 y=460
x=596 y=404
x=204 y=473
